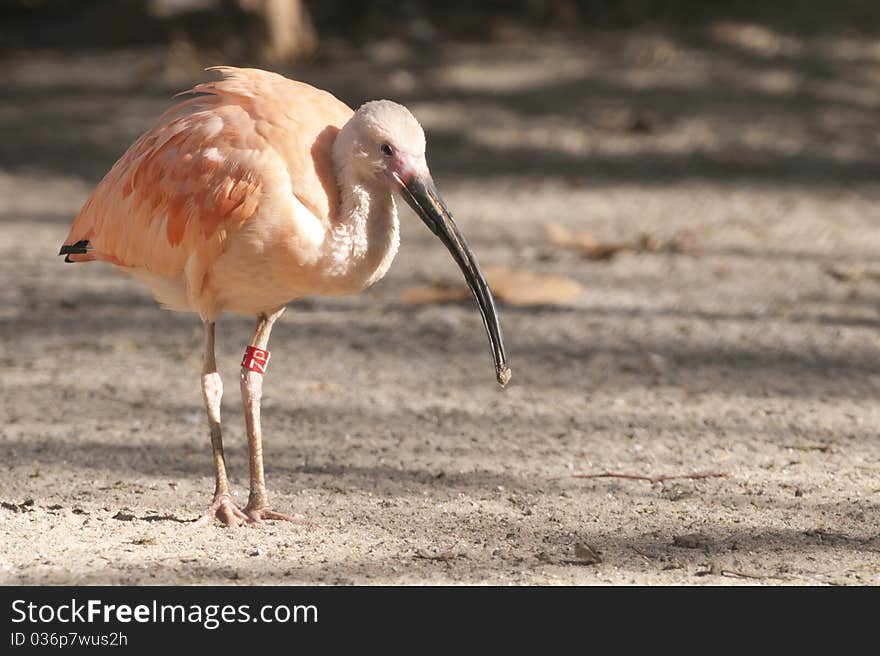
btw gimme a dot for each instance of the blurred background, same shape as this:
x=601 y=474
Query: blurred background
x=676 y=202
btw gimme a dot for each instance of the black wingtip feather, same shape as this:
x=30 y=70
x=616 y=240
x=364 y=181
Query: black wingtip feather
x=79 y=248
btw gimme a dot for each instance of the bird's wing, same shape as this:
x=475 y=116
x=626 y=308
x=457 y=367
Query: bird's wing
x=201 y=173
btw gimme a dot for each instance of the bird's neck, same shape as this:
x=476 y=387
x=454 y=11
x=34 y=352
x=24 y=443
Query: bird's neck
x=365 y=234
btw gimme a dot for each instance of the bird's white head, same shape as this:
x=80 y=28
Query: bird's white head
x=382 y=141
x=384 y=145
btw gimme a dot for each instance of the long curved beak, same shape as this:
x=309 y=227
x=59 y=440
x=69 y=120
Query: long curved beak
x=421 y=194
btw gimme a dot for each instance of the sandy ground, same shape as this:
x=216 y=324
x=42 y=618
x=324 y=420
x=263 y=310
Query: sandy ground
x=740 y=355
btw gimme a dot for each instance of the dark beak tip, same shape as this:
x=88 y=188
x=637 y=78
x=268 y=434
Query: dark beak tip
x=504 y=376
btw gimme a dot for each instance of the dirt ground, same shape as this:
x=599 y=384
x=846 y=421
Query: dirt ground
x=750 y=350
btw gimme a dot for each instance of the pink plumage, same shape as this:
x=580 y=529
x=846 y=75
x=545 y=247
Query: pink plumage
x=191 y=183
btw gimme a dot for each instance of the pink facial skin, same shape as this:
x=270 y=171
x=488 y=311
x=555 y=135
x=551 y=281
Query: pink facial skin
x=401 y=167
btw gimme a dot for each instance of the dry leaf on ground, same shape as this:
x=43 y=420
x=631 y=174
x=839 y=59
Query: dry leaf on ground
x=521 y=287
x=513 y=286
x=852 y=274
x=683 y=241
x=584 y=242
x=437 y=292
x=588 y=554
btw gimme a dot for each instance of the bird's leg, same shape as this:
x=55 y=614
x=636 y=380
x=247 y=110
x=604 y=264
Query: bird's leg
x=223 y=508
x=257 y=508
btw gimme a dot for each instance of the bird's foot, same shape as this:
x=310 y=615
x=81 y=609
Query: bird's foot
x=257 y=515
x=230 y=515
x=224 y=509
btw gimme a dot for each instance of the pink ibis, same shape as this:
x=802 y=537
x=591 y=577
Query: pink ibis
x=256 y=191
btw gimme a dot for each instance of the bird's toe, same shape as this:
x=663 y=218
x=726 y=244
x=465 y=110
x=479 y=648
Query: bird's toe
x=224 y=509
x=258 y=515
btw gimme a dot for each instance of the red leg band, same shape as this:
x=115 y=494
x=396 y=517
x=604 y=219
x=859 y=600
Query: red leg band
x=255 y=359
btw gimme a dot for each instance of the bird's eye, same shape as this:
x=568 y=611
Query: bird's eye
x=386 y=149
